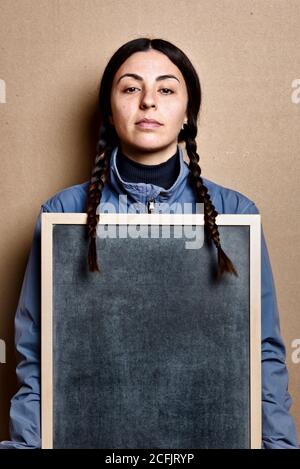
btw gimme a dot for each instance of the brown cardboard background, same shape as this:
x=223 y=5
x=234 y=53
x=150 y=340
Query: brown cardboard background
x=52 y=54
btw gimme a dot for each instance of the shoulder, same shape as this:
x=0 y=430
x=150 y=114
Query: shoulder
x=70 y=199
x=228 y=200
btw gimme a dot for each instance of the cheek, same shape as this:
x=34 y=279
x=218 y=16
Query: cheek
x=124 y=113
x=175 y=110
x=176 y=115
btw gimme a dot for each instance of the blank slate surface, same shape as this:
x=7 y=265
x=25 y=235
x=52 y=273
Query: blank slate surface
x=153 y=352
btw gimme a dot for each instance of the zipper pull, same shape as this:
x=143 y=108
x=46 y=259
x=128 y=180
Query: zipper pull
x=150 y=206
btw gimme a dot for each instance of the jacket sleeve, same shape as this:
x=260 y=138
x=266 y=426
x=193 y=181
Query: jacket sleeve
x=278 y=427
x=25 y=405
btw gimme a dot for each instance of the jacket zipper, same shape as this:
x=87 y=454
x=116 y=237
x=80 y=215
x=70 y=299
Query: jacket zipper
x=150 y=205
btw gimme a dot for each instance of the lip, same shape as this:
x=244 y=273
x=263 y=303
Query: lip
x=148 y=123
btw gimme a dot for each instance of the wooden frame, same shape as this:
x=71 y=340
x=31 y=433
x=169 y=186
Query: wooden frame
x=51 y=219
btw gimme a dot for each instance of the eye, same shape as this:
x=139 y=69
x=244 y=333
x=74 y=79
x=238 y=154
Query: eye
x=134 y=88
x=167 y=89
x=130 y=88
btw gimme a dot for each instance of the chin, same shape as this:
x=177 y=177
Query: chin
x=149 y=143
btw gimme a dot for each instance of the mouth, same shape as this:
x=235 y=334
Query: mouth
x=148 y=124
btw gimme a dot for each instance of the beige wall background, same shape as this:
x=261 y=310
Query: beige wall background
x=53 y=53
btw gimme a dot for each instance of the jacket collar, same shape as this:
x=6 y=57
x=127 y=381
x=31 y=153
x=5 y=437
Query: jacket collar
x=142 y=192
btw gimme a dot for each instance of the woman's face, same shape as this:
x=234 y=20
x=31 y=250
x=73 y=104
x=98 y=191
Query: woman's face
x=148 y=94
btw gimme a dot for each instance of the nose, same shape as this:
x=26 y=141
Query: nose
x=147 y=100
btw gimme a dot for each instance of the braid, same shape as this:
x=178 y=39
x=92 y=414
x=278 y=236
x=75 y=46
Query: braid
x=95 y=188
x=202 y=195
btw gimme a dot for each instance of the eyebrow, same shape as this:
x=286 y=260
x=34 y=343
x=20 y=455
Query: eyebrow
x=139 y=78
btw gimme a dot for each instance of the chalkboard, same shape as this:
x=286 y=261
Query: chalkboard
x=154 y=351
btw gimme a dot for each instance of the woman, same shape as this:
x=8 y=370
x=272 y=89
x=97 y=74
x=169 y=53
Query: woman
x=148 y=102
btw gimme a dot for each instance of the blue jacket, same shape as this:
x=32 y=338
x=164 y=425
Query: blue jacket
x=278 y=426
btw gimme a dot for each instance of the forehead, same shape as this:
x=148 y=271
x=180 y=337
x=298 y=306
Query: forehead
x=149 y=64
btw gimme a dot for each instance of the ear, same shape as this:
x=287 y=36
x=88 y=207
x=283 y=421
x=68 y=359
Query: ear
x=111 y=121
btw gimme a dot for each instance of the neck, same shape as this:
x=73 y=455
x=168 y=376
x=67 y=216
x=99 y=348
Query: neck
x=163 y=174
x=148 y=157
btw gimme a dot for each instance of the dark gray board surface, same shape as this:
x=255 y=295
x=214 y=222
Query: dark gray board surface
x=153 y=352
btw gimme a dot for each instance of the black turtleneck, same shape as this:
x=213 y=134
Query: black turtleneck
x=162 y=174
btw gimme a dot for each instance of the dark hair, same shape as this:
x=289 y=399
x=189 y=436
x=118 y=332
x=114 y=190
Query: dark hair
x=108 y=139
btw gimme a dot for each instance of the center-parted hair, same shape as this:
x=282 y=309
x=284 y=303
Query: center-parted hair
x=108 y=139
